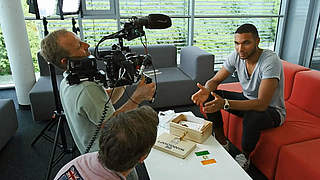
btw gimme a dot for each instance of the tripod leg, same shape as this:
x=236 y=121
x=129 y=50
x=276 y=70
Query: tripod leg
x=64 y=144
x=63 y=135
x=50 y=124
x=53 y=149
x=53 y=119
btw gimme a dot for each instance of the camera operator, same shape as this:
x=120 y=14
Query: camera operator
x=125 y=141
x=84 y=103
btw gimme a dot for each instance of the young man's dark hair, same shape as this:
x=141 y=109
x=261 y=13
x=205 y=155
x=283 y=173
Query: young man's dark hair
x=248 y=28
x=127 y=138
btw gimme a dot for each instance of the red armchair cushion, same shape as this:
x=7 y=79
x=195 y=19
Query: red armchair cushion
x=305 y=93
x=235 y=87
x=299 y=126
x=225 y=118
x=299 y=161
x=235 y=130
x=290 y=70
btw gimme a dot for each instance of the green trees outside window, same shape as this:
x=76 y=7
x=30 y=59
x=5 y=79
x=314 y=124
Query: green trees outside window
x=33 y=35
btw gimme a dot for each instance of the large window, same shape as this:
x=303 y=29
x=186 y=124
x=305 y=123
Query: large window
x=208 y=24
x=315 y=59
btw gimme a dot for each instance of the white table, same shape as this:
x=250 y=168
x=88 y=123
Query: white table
x=163 y=166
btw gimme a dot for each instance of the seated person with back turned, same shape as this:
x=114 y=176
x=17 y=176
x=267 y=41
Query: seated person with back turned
x=84 y=103
x=261 y=104
x=125 y=141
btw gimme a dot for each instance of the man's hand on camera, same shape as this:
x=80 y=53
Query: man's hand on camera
x=144 y=91
x=115 y=93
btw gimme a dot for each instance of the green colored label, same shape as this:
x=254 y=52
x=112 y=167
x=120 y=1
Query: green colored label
x=202 y=153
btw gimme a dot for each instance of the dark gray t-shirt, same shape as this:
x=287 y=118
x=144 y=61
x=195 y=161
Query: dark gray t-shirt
x=268 y=66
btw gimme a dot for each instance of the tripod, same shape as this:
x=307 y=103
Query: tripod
x=59 y=119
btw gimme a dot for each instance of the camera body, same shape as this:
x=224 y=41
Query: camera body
x=124 y=67
x=121 y=68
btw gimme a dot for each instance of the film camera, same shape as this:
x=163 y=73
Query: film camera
x=122 y=67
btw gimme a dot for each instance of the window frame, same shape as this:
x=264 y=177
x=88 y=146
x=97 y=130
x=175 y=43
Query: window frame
x=100 y=14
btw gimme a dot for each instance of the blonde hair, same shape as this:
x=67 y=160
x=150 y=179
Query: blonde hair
x=51 y=50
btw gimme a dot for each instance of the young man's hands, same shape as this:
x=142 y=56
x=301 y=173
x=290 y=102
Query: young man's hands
x=214 y=105
x=200 y=97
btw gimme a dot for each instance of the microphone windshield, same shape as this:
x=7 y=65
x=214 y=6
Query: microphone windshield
x=158 y=21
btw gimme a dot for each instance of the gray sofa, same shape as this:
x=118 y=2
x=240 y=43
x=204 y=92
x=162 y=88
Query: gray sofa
x=176 y=83
x=8 y=120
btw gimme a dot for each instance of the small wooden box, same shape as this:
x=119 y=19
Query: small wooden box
x=199 y=135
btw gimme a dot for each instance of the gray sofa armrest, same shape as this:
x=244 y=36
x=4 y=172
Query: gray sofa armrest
x=9 y=122
x=197 y=63
x=42 y=98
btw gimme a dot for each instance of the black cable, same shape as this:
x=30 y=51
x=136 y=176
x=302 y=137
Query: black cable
x=103 y=116
x=156 y=82
x=144 y=44
x=155 y=77
x=154 y=70
x=96 y=49
x=99 y=126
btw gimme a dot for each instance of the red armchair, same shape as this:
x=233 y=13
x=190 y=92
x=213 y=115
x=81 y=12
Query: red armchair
x=302 y=122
